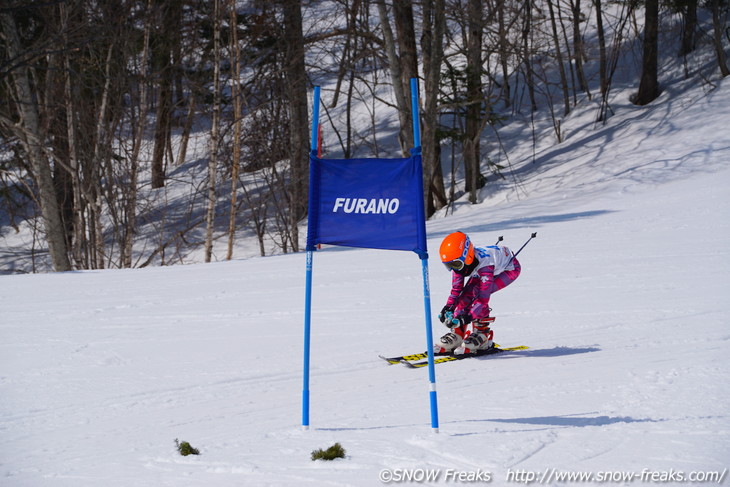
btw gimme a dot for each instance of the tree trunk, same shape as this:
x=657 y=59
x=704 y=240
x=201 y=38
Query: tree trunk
x=689 y=30
x=602 y=60
x=432 y=43
x=167 y=19
x=95 y=188
x=404 y=26
x=33 y=140
x=527 y=53
x=78 y=203
x=405 y=135
x=559 y=57
x=578 y=50
x=473 y=127
x=130 y=204
x=187 y=128
x=611 y=57
x=162 y=130
x=349 y=59
x=718 y=23
x=214 y=133
x=504 y=51
x=649 y=85
x=296 y=76
x=346 y=60
x=236 y=99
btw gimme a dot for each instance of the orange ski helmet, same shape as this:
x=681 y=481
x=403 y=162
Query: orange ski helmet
x=456 y=251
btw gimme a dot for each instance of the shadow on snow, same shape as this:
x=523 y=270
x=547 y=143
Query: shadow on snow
x=530 y=222
x=546 y=352
x=572 y=420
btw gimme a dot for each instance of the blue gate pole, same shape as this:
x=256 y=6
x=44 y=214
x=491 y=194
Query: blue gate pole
x=307 y=335
x=308 y=285
x=424 y=266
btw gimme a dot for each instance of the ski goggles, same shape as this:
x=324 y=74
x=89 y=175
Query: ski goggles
x=455 y=265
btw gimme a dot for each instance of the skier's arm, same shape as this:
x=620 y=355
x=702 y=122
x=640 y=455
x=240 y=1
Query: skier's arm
x=457 y=286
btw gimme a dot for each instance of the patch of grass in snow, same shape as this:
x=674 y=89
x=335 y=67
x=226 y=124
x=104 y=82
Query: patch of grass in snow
x=186 y=448
x=335 y=451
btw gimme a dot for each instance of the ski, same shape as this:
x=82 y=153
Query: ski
x=418 y=360
x=451 y=357
x=407 y=358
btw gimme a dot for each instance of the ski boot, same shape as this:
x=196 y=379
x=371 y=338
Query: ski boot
x=481 y=338
x=450 y=341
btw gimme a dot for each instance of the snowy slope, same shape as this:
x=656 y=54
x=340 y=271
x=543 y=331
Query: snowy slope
x=623 y=302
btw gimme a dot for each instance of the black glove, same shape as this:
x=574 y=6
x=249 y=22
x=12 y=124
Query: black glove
x=461 y=320
x=446 y=314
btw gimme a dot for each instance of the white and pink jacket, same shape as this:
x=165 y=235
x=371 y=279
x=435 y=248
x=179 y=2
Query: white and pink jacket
x=495 y=270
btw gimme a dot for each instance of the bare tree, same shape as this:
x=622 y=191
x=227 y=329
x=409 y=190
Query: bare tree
x=503 y=48
x=559 y=58
x=297 y=83
x=602 y=61
x=527 y=33
x=404 y=26
x=235 y=54
x=578 y=49
x=167 y=17
x=102 y=135
x=214 y=134
x=649 y=85
x=474 y=124
x=432 y=45
x=348 y=67
x=719 y=23
x=78 y=201
x=31 y=134
x=688 y=10
x=399 y=71
x=608 y=59
x=130 y=195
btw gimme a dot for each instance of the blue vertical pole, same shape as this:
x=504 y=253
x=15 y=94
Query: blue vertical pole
x=315 y=121
x=308 y=285
x=415 y=114
x=429 y=349
x=424 y=266
x=307 y=335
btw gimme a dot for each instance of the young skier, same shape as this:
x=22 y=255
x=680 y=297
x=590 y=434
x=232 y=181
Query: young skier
x=476 y=274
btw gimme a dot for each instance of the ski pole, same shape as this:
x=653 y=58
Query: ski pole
x=523 y=246
x=499 y=240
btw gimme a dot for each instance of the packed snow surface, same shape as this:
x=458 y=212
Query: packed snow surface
x=623 y=301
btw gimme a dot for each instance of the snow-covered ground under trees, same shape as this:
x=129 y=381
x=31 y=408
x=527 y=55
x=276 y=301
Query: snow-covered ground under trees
x=623 y=302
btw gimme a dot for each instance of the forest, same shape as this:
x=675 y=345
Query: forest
x=107 y=105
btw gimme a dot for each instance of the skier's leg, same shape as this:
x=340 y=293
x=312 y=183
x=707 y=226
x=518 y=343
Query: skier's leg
x=451 y=340
x=506 y=278
x=482 y=336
